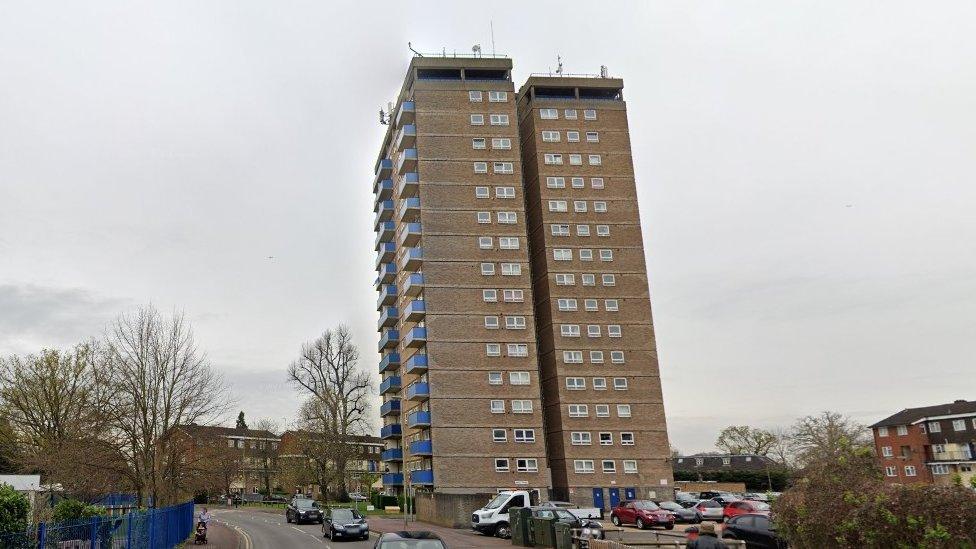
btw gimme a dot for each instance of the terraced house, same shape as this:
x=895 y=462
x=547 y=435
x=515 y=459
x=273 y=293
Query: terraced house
x=481 y=385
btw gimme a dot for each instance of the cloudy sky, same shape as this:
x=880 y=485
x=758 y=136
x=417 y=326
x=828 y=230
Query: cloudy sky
x=805 y=174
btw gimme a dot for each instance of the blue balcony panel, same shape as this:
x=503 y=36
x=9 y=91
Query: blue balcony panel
x=407 y=161
x=406 y=113
x=418 y=419
x=388 y=318
x=408 y=185
x=417 y=364
x=410 y=210
x=383 y=167
x=390 y=408
x=415 y=310
x=392 y=454
x=392 y=479
x=390 y=384
x=393 y=430
x=406 y=137
x=384 y=233
x=411 y=259
x=415 y=337
x=414 y=285
x=387 y=273
x=421 y=448
x=418 y=391
x=388 y=340
x=387 y=297
x=410 y=235
x=383 y=189
x=386 y=253
x=423 y=476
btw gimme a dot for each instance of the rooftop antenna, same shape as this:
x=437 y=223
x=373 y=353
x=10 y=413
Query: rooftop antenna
x=603 y=71
x=559 y=65
x=491 y=25
x=383 y=118
x=476 y=49
x=417 y=53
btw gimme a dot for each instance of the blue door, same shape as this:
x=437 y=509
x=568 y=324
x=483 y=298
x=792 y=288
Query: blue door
x=630 y=493
x=614 y=497
x=598 y=498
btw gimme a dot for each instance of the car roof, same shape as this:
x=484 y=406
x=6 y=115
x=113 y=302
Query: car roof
x=403 y=534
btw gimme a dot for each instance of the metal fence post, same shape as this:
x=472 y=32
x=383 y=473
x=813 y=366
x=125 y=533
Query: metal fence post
x=41 y=535
x=94 y=532
x=128 y=535
x=152 y=528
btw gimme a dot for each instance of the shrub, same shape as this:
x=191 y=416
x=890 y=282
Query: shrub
x=14 y=510
x=72 y=509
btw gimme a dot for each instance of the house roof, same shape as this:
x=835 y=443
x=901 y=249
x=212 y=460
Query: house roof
x=716 y=462
x=911 y=415
x=22 y=483
x=195 y=430
x=360 y=439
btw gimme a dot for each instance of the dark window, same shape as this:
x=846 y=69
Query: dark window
x=439 y=74
x=485 y=74
x=761 y=522
x=745 y=521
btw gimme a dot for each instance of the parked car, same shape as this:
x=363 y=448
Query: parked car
x=685 y=498
x=743 y=507
x=551 y=511
x=756 y=530
x=276 y=499
x=726 y=499
x=344 y=523
x=301 y=509
x=409 y=540
x=357 y=496
x=709 y=509
x=681 y=514
x=641 y=513
x=756 y=496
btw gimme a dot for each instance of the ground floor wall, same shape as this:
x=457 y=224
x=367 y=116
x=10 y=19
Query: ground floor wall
x=607 y=497
x=450 y=510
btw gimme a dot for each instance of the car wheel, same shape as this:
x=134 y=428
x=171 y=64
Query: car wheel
x=503 y=531
x=287 y=518
x=615 y=520
x=640 y=523
x=669 y=526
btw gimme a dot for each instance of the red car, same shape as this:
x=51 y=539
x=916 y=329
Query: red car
x=641 y=513
x=742 y=507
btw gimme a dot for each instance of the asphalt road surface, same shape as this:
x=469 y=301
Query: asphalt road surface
x=261 y=530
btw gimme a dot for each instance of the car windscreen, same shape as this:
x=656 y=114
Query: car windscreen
x=710 y=503
x=499 y=500
x=670 y=506
x=646 y=505
x=345 y=515
x=306 y=503
x=760 y=506
x=412 y=544
x=564 y=515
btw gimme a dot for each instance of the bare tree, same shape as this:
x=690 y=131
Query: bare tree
x=742 y=439
x=826 y=436
x=783 y=451
x=268 y=454
x=161 y=380
x=338 y=395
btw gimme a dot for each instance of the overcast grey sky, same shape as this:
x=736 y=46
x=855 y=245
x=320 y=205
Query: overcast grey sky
x=805 y=173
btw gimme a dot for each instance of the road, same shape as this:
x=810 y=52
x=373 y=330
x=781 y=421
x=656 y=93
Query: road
x=261 y=530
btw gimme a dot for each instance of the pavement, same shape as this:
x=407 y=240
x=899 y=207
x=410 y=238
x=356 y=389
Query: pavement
x=454 y=537
x=261 y=530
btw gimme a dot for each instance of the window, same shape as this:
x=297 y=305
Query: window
x=569 y=330
x=503 y=167
x=606 y=255
x=508 y=218
x=521 y=406
x=578 y=410
x=477 y=120
x=485 y=242
x=508 y=242
x=909 y=470
x=600 y=207
x=556 y=182
x=603 y=230
x=501 y=465
x=623 y=410
x=557 y=206
x=566 y=304
x=606 y=439
x=586 y=254
x=514 y=322
x=494 y=378
x=550 y=136
x=599 y=383
x=611 y=305
x=474 y=96
x=579 y=206
x=627 y=439
x=572 y=137
x=497 y=96
x=518 y=349
x=498 y=119
x=498 y=406
x=592 y=137
x=565 y=279
x=560 y=230
x=596 y=357
x=609 y=466
x=524 y=435
x=491 y=322
x=577 y=182
x=891 y=472
x=478 y=143
x=593 y=330
x=575 y=160
x=602 y=410
x=576 y=383
x=513 y=296
x=562 y=254
x=935 y=427
x=570 y=114
x=620 y=383
x=958 y=425
x=518 y=378
x=630 y=465
x=613 y=330
x=580 y=438
x=527 y=465
x=511 y=269
x=609 y=280
x=548 y=114
x=573 y=357
x=596 y=182
x=499 y=435
x=588 y=279
x=938 y=448
x=484 y=217
x=488 y=269
x=617 y=357
x=590 y=305
x=480 y=167
x=940 y=469
x=902 y=430
x=589 y=114
x=553 y=159
x=502 y=143
x=481 y=192
x=493 y=349
x=583 y=465
x=582 y=230
x=489 y=296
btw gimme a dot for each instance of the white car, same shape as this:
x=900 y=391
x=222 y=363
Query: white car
x=709 y=509
x=356 y=496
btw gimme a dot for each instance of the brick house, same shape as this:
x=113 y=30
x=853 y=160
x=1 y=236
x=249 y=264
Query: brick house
x=708 y=463
x=295 y=465
x=241 y=461
x=930 y=444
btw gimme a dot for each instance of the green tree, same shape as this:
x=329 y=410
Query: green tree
x=827 y=436
x=742 y=439
x=72 y=509
x=14 y=510
x=241 y=424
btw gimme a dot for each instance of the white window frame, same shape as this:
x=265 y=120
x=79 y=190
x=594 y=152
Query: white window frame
x=513 y=295
x=566 y=303
x=608 y=465
x=550 y=136
x=499 y=435
x=558 y=229
x=496 y=406
x=501 y=465
x=489 y=295
x=588 y=279
x=614 y=330
x=570 y=114
x=491 y=322
x=483 y=217
x=597 y=183
x=589 y=114
x=475 y=96
x=482 y=192
x=572 y=137
x=599 y=383
x=553 y=182
x=600 y=207
x=515 y=322
x=558 y=206
x=495 y=378
x=527 y=465
x=477 y=119
x=580 y=438
x=572 y=357
x=488 y=269
x=507 y=218
x=486 y=242
x=577 y=182
x=476 y=141
x=562 y=254
x=603 y=230
x=578 y=410
x=504 y=192
x=902 y=430
x=517 y=350
x=609 y=279
x=493 y=349
x=624 y=410
x=583 y=466
x=605 y=438
x=611 y=305
x=590 y=304
x=959 y=425
x=630 y=466
x=585 y=254
x=524 y=436
x=498 y=119
x=582 y=230
x=617 y=357
x=606 y=255
x=579 y=206
x=508 y=243
x=575 y=159
x=627 y=438
x=553 y=159
x=935 y=427
x=549 y=114
x=501 y=143
x=511 y=269
x=522 y=406
x=602 y=410
x=519 y=378
x=593 y=330
x=565 y=279
x=596 y=357
x=592 y=137
x=575 y=383
x=619 y=384
x=910 y=471
x=480 y=167
x=503 y=167
x=495 y=96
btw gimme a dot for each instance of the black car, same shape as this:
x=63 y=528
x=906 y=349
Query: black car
x=410 y=540
x=594 y=530
x=680 y=512
x=754 y=529
x=344 y=523
x=302 y=509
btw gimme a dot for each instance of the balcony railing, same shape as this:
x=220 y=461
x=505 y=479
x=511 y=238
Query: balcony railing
x=421 y=448
x=388 y=294
x=407 y=161
x=387 y=273
x=415 y=310
x=392 y=479
x=417 y=364
x=385 y=230
x=406 y=113
x=392 y=454
x=416 y=337
x=390 y=384
x=410 y=210
x=393 y=430
x=383 y=189
x=386 y=253
x=412 y=259
x=408 y=185
x=952 y=455
x=414 y=284
x=389 y=339
x=406 y=137
x=388 y=318
x=410 y=234
x=384 y=210
x=390 y=408
x=423 y=476
x=418 y=391
x=418 y=419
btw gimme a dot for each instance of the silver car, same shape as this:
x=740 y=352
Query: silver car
x=709 y=509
